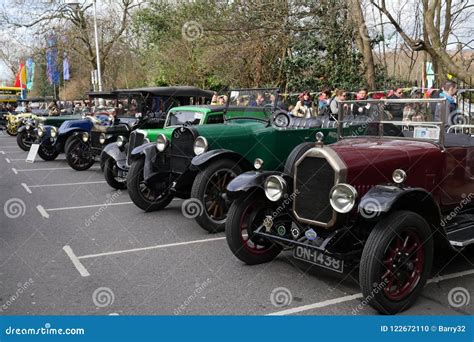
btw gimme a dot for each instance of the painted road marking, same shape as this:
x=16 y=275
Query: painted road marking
x=150 y=248
x=44 y=169
x=42 y=211
x=64 y=184
x=359 y=295
x=89 y=206
x=26 y=188
x=14 y=171
x=75 y=261
x=8 y=160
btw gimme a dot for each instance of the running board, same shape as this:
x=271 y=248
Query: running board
x=462 y=236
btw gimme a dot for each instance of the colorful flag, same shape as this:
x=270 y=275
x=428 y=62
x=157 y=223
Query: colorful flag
x=66 y=75
x=51 y=60
x=30 y=73
x=20 y=79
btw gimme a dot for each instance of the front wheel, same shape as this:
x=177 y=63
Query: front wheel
x=209 y=188
x=396 y=262
x=47 y=151
x=246 y=214
x=24 y=140
x=12 y=130
x=79 y=156
x=143 y=196
x=111 y=175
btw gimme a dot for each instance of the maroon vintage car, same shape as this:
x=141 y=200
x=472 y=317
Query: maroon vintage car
x=381 y=200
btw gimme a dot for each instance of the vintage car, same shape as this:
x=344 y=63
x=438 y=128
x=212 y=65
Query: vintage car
x=153 y=102
x=378 y=200
x=201 y=160
x=27 y=109
x=117 y=154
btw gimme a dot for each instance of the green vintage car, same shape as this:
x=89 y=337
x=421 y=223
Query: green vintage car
x=200 y=161
x=116 y=156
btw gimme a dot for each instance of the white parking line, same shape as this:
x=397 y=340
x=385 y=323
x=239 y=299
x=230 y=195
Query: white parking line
x=12 y=152
x=26 y=188
x=44 y=169
x=2 y=152
x=64 y=184
x=79 y=266
x=8 y=160
x=150 y=247
x=14 y=171
x=358 y=295
x=89 y=206
x=42 y=211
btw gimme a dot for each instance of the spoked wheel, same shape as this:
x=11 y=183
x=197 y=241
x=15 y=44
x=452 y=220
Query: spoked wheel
x=78 y=155
x=111 y=175
x=24 y=140
x=246 y=214
x=142 y=196
x=47 y=151
x=12 y=130
x=210 y=188
x=396 y=262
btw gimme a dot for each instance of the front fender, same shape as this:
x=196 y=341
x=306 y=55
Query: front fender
x=149 y=151
x=113 y=151
x=21 y=129
x=383 y=199
x=251 y=180
x=201 y=161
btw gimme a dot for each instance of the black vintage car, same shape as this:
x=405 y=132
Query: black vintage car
x=143 y=108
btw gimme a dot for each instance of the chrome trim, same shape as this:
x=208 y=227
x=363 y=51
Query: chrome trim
x=340 y=176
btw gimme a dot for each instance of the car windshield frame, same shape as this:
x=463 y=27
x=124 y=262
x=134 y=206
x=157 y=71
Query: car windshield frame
x=442 y=102
x=272 y=91
x=173 y=112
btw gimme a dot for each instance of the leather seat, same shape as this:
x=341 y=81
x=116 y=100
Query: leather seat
x=298 y=122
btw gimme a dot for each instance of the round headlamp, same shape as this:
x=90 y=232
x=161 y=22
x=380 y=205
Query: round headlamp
x=161 y=142
x=54 y=132
x=28 y=126
x=121 y=140
x=102 y=138
x=258 y=163
x=275 y=188
x=40 y=130
x=399 y=176
x=342 y=197
x=200 y=145
x=85 y=137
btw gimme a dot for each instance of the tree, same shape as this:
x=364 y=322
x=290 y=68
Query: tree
x=440 y=18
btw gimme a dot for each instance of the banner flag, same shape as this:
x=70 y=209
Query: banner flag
x=30 y=73
x=66 y=75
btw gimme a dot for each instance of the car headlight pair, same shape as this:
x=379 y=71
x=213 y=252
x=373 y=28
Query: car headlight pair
x=54 y=132
x=161 y=143
x=121 y=140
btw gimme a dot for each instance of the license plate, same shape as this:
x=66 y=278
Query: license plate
x=318 y=258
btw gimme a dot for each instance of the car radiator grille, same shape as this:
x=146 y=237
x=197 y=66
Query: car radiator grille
x=314 y=180
x=135 y=139
x=95 y=136
x=181 y=150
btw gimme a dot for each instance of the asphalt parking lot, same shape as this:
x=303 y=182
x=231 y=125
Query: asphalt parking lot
x=69 y=244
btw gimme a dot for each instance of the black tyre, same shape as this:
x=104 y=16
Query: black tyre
x=209 y=188
x=144 y=197
x=110 y=174
x=78 y=155
x=47 y=151
x=245 y=215
x=396 y=262
x=24 y=141
x=296 y=154
x=68 y=142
